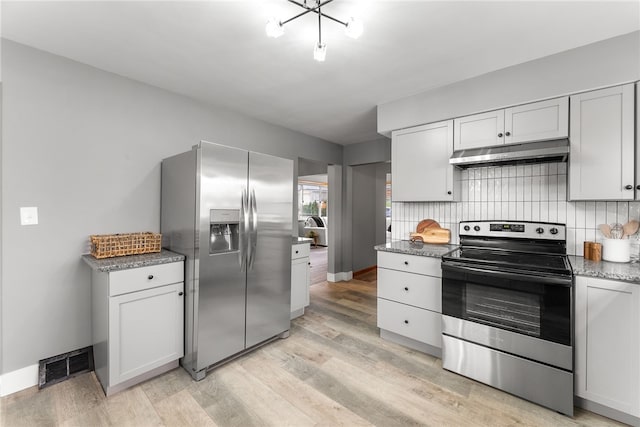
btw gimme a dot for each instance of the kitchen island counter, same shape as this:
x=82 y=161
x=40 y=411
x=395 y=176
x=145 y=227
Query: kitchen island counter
x=301 y=240
x=416 y=248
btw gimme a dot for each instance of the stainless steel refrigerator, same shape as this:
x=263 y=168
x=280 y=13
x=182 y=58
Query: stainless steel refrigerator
x=229 y=211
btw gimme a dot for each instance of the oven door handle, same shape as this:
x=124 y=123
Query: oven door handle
x=566 y=282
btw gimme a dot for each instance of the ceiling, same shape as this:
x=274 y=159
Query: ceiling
x=217 y=51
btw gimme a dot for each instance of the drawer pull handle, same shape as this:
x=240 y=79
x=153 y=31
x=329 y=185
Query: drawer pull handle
x=406 y=288
x=406 y=263
x=150 y=277
x=296 y=251
x=180 y=294
x=406 y=322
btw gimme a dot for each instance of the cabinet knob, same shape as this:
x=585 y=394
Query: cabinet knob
x=628 y=187
x=180 y=294
x=449 y=192
x=406 y=288
x=406 y=263
x=637 y=187
x=507 y=133
x=406 y=322
x=150 y=277
x=500 y=135
x=296 y=251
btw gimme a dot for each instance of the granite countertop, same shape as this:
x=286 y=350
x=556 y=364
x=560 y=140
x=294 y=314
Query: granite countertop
x=418 y=248
x=625 y=271
x=132 y=261
x=300 y=240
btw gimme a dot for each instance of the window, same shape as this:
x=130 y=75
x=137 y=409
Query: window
x=312 y=199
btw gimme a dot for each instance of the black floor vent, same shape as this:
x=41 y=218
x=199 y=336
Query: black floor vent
x=65 y=366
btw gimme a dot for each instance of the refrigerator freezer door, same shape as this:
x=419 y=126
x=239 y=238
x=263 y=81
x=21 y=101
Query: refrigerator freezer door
x=269 y=272
x=221 y=284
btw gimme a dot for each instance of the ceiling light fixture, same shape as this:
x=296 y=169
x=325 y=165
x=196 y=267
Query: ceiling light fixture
x=353 y=27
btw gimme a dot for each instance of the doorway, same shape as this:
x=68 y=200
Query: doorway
x=314 y=221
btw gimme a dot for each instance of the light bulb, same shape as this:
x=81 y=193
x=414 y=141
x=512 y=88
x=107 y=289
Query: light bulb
x=274 y=28
x=320 y=52
x=354 y=28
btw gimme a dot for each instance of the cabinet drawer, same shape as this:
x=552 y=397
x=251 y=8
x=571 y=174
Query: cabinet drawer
x=409 y=288
x=137 y=279
x=410 y=263
x=299 y=251
x=421 y=325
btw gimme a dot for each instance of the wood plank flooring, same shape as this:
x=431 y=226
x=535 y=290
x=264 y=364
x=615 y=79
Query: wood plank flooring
x=333 y=370
x=318 y=257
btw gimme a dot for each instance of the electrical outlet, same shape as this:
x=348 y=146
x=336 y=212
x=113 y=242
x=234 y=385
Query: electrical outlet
x=29 y=216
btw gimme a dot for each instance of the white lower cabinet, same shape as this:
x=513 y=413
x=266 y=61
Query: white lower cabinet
x=410 y=300
x=300 y=279
x=137 y=323
x=607 y=340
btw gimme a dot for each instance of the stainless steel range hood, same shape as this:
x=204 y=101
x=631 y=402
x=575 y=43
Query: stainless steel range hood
x=531 y=152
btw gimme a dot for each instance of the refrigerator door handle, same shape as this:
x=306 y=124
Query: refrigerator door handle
x=244 y=226
x=253 y=228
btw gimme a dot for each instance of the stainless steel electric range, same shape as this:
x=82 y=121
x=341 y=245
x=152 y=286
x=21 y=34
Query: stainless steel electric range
x=507 y=310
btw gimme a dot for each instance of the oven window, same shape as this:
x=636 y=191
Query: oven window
x=506 y=309
x=514 y=302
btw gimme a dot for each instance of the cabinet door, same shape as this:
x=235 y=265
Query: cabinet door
x=537 y=121
x=411 y=289
x=638 y=141
x=479 y=130
x=420 y=163
x=601 y=163
x=145 y=331
x=607 y=338
x=299 y=283
x=418 y=324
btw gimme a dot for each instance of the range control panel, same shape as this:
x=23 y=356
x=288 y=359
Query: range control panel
x=514 y=229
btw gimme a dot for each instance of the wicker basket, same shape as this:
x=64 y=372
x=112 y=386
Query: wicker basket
x=112 y=245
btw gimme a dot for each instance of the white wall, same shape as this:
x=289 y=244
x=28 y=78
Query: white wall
x=535 y=192
x=85 y=146
x=605 y=63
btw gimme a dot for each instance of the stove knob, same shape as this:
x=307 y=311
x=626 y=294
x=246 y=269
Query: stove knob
x=553 y=231
x=476 y=227
x=467 y=228
x=539 y=230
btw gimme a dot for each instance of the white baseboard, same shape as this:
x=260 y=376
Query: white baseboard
x=12 y=382
x=339 y=277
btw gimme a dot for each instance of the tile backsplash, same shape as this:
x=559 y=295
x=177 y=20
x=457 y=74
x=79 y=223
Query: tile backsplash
x=534 y=192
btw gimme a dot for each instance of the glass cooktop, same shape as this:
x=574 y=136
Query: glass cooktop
x=540 y=262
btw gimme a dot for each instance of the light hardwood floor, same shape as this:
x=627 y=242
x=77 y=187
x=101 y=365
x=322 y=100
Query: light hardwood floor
x=333 y=370
x=318 y=257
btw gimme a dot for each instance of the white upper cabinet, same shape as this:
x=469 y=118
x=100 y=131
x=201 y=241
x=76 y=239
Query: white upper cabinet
x=420 y=164
x=479 y=130
x=537 y=121
x=602 y=158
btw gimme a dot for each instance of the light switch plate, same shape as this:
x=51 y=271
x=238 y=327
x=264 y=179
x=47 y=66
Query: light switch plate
x=29 y=216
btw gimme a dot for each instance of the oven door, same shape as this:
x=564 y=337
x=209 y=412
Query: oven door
x=524 y=314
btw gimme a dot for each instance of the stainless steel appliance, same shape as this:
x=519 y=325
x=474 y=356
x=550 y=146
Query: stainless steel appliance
x=530 y=152
x=507 y=318
x=230 y=212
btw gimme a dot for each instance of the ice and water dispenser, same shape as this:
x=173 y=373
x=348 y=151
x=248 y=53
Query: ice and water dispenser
x=224 y=227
